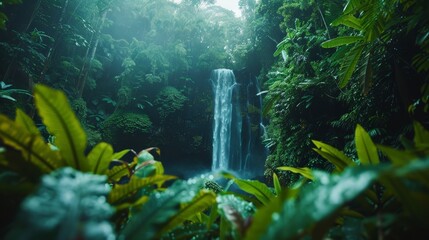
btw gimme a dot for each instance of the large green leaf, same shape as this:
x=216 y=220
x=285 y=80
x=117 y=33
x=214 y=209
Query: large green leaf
x=256 y=188
x=421 y=136
x=353 y=6
x=25 y=121
x=397 y=157
x=410 y=184
x=201 y=202
x=99 y=158
x=305 y=172
x=319 y=202
x=120 y=192
x=147 y=223
x=262 y=219
x=60 y=120
x=340 y=41
x=349 y=21
x=33 y=147
x=365 y=147
x=333 y=155
x=349 y=63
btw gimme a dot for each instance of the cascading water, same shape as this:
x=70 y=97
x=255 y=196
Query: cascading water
x=227 y=124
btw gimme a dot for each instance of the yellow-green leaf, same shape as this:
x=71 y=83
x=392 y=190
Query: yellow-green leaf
x=348 y=66
x=340 y=41
x=100 y=157
x=137 y=203
x=25 y=121
x=397 y=157
x=60 y=120
x=117 y=172
x=120 y=192
x=365 y=147
x=204 y=200
x=258 y=189
x=349 y=21
x=305 y=172
x=120 y=154
x=277 y=185
x=333 y=155
x=421 y=136
x=33 y=147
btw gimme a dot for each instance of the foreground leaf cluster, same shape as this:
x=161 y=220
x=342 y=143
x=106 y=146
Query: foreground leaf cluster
x=365 y=197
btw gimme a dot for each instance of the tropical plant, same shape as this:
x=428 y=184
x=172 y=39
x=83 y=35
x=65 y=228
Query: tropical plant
x=28 y=154
x=381 y=198
x=6 y=92
x=373 y=24
x=84 y=213
x=363 y=197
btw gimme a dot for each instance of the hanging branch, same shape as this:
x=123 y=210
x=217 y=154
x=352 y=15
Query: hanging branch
x=323 y=19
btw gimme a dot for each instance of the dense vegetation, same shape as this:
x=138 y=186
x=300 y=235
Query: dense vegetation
x=82 y=80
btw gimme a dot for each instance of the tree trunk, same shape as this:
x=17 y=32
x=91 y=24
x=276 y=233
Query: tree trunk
x=53 y=47
x=86 y=68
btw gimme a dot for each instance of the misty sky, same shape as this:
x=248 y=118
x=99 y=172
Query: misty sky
x=231 y=5
x=228 y=4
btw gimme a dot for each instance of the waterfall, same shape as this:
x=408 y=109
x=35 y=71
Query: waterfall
x=227 y=123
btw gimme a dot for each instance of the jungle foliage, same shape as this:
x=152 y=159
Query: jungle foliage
x=96 y=195
x=372 y=78
x=149 y=57
x=350 y=73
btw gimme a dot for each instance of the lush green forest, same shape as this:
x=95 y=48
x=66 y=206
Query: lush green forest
x=107 y=110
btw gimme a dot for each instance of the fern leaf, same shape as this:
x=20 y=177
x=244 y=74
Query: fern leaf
x=100 y=157
x=120 y=192
x=60 y=120
x=25 y=121
x=33 y=147
x=117 y=172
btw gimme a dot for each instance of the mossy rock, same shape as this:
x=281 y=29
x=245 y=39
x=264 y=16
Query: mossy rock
x=123 y=128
